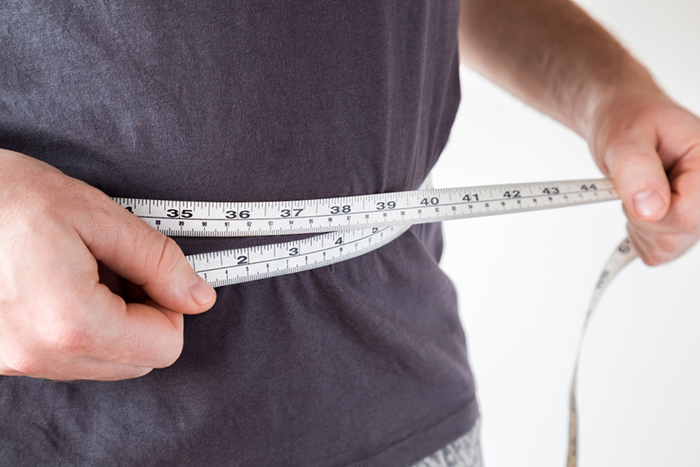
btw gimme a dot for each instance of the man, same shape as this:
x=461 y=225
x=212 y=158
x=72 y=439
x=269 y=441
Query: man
x=271 y=101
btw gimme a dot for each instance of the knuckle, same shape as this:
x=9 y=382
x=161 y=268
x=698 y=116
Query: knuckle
x=655 y=257
x=69 y=338
x=57 y=190
x=668 y=244
x=167 y=255
x=620 y=164
x=99 y=228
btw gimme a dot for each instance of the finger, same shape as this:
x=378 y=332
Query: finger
x=85 y=368
x=90 y=322
x=683 y=216
x=99 y=370
x=640 y=244
x=135 y=334
x=142 y=255
x=655 y=227
x=658 y=248
x=640 y=178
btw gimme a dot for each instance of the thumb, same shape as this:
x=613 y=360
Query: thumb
x=134 y=250
x=640 y=179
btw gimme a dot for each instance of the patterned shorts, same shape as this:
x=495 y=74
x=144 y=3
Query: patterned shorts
x=462 y=452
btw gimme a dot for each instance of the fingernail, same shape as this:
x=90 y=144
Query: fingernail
x=201 y=292
x=648 y=203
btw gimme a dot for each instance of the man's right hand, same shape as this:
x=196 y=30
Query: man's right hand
x=57 y=320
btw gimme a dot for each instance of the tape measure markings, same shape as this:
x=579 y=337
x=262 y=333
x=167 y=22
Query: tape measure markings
x=207 y=219
x=345 y=227
x=352 y=229
x=264 y=261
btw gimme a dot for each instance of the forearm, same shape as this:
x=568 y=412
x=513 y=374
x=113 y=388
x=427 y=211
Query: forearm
x=549 y=53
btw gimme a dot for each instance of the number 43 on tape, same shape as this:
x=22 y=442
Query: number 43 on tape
x=351 y=226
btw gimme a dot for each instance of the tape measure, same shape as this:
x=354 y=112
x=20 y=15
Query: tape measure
x=348 y=227
x=354 y=225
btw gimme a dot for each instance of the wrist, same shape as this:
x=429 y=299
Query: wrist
x=617 y=106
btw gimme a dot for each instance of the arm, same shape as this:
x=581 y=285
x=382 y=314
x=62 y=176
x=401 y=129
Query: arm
x=555 y=57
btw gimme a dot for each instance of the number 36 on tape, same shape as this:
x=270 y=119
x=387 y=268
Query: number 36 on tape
x=351 y=226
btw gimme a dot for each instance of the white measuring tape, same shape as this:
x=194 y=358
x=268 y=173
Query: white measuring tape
x=355 y=225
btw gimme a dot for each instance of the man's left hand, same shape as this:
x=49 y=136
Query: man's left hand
x=650 y=147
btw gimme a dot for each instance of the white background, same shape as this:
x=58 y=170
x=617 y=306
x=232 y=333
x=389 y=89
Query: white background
x=524 y=280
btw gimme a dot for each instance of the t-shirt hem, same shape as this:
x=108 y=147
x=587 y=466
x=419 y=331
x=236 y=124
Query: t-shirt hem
x=411 y=450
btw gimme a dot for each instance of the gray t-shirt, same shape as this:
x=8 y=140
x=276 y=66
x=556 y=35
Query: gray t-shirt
x=359 y=363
